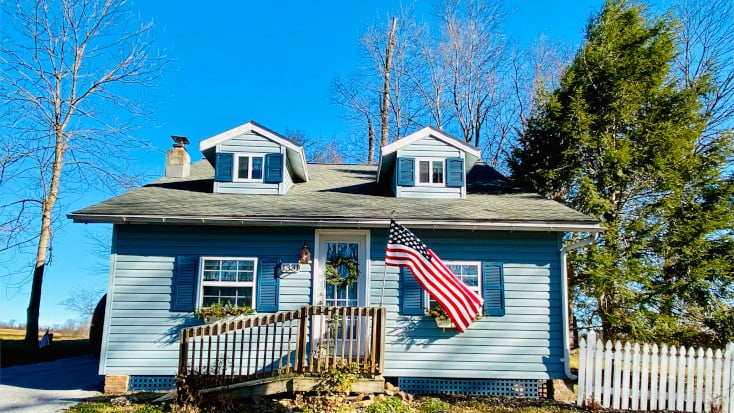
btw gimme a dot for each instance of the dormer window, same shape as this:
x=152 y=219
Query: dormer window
x=430 y=172
x=248 y=167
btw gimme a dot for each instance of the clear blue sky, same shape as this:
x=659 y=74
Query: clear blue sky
x=235 y=61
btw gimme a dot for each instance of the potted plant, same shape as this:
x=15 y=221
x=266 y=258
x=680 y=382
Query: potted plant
x=219 y=311
x=440 y=317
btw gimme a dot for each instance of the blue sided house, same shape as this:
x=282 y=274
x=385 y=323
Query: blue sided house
x=254 y=224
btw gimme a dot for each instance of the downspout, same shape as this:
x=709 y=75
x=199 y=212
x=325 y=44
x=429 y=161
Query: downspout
x=564 y=301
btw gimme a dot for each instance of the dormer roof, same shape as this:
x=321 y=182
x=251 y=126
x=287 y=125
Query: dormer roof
x=295 y=153
x=389 y=152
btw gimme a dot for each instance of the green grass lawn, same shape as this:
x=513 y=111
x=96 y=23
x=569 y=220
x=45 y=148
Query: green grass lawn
x=14 y=352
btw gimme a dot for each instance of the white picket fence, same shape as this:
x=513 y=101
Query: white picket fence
x=644 y=377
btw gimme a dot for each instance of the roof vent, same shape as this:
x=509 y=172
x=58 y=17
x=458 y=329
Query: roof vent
x=178 y=161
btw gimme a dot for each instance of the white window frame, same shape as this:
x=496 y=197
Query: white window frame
x=479 y=292
x=236 y=167
x=202 y=283
x=430 y=171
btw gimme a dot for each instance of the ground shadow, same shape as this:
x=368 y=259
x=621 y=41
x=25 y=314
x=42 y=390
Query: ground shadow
x=73 y=373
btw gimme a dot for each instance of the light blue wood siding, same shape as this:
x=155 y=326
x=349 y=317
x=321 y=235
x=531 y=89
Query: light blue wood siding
x=525 y=343
x=142 y=331
x=429 y=148
x=287 y=177
x=251 y=143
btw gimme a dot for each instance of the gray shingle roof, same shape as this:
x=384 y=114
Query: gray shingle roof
x=338 y=195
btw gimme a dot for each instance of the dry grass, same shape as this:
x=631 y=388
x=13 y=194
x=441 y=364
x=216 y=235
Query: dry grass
x=19 y=334
x=422 y=404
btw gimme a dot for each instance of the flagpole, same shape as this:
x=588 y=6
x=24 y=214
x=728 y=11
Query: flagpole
x=384 y=265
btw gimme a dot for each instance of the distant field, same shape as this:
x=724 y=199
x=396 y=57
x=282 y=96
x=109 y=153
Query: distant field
x=18 y=334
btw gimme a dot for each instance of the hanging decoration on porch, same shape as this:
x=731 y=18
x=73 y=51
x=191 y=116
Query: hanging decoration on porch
x=334 y=277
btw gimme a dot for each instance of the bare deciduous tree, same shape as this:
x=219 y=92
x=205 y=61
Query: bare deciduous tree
x=381 y=94
x=73 y=76
x=386 y=69
x=473 y=51
x=532 y=72
x=83 y=302
x=356 y=97
x=706 y=39
x=450 y=78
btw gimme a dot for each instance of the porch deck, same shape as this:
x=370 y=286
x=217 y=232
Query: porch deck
x=285 y=351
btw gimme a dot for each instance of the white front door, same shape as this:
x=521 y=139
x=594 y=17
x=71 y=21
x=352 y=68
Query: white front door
x=336 y=251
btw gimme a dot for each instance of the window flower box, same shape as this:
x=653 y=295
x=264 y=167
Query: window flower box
x=439 y=316
x=443 y=323
x=219 y=312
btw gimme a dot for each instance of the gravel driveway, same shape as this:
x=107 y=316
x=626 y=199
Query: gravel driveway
x=49 y=387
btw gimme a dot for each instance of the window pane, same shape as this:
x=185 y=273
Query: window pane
x=211 y=296
x=243 y=170
x=244 y=296
x=229 y=270
x=211 y=265
x=246 y=265
x=227 y=295
x=211 y=275
x=211 y=270
x=246 y=271
x=209 y=301
x=470 y=270
x=437 y=172
x=470 y=280
x=245 y=276
x=423 y=173
x=257 y=167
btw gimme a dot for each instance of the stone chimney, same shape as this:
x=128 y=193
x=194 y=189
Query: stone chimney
x=178 y=161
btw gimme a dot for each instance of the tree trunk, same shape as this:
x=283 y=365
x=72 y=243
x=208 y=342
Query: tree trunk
x=44 y=239
x=34 y=304
x=385 y=102
x=370 y=142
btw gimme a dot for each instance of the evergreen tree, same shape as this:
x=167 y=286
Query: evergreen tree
x=618 y=141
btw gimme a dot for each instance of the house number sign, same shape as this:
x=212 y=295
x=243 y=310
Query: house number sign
x=290 y=267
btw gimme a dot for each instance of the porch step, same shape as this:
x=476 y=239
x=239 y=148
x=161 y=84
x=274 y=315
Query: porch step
x=292 y=384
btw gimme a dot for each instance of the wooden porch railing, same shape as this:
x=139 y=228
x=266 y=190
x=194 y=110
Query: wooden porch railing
x=307 y=341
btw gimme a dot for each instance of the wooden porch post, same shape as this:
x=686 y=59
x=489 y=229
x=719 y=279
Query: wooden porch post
x=301 y=340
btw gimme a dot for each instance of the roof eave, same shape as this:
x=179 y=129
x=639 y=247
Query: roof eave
x=335 y=222
x=436 y=133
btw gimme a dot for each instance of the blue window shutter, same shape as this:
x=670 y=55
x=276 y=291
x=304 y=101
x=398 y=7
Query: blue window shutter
x=411 y=293
x=224 y=166
x=455 y=172
x=493 y=287
x=267 y=287
x=406 y=171
x=274 y=168
x=184 y=282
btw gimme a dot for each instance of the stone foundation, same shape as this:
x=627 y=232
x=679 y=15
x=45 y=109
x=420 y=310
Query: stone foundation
x=116 y=384
x=562 y=391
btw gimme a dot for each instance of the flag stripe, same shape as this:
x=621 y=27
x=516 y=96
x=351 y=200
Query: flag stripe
x=427 y=276
x=442 y=284
x=404 y=249
x=470 y=298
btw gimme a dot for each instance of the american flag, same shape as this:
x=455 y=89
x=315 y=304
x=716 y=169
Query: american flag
x=404 y=249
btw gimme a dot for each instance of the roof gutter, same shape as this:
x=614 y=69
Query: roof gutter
x=337 y=222
x=564 y=300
